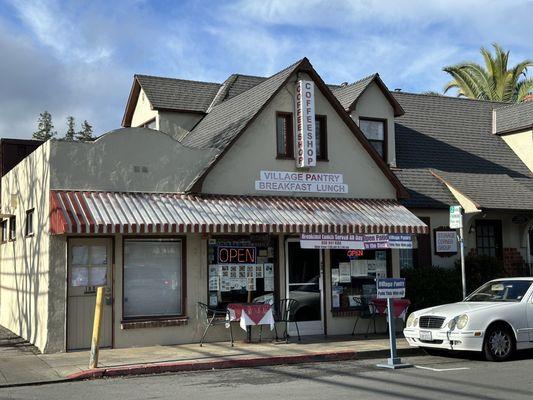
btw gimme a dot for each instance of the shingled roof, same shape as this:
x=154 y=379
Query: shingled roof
x=348 y=95
x=454 y=136
x=513 y=117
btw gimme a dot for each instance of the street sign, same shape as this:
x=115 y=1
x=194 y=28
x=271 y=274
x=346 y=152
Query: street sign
x=390 y=288
x=456 y=217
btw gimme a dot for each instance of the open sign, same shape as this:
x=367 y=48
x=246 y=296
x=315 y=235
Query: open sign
x=354 y=253
x=236 y=255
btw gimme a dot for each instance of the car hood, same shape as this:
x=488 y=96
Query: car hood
x=455 y=309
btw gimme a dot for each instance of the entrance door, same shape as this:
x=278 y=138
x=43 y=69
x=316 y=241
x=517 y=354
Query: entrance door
x=304 y=284
x=89 y=266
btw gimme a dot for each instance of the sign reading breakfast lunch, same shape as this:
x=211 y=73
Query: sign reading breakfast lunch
x=309 y=182
x=305 y=124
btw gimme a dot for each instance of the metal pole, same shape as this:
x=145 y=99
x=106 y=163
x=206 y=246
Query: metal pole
x=95 y=342
x=463 y=273
x=393 y=360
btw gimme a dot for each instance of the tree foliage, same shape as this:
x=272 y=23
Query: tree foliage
x=71 y=129
x=45 y=127
x=86 y=133
x=493 y=81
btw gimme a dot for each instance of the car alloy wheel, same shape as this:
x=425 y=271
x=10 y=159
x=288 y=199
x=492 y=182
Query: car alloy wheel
x=499 y=344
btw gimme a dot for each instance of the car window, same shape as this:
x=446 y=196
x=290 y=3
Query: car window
x=500 y=291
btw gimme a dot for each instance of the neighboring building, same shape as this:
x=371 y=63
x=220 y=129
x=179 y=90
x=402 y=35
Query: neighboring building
x=216 y=217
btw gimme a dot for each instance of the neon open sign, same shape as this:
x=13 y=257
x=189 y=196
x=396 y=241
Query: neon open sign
x=236 y=255
x=355 y=253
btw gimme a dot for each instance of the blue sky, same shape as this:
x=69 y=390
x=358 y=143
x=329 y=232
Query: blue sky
x=78 y=57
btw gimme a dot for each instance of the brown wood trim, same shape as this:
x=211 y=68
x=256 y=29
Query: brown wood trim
x=183 y=240
x=154 y=323
x=385 y=135
x=398 y=109
x=289 y=148
x=130 y=105
x=323 y=137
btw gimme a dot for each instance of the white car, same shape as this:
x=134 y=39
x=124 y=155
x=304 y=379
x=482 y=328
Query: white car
x=496 y=319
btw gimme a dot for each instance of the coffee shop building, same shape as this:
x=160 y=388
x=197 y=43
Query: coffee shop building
x=257 y=195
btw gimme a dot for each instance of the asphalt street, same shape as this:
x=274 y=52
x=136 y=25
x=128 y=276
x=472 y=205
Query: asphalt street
x=431 y=378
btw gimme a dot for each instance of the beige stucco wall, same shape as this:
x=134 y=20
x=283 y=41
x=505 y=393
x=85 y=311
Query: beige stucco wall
x=177 y=124
x=143 y=111
x=373 y=104
x=109 y=163
x=522 y=144
x=25 y=286
x=255 y=150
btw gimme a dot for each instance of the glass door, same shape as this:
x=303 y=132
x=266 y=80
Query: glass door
x=304 y=284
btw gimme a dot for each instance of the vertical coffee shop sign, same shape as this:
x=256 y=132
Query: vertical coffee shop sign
x=305 y=124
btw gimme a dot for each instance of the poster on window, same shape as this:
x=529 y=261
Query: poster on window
x=268 y=270
x=79 y=276
x=259 y=271
x=98 y=276
x=345 y=272
x=334 y=276
x=250 y=284
x=269 y=284
x=213 y=283
x=98 y=255
x=80 y=255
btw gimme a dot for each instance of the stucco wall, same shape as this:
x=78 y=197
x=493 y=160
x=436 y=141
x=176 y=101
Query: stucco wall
x=143 y=111
x=373 y=104
x=522 y=144
x=177 y=124
x=255 y=150
x=130 y=159
x=24 y=267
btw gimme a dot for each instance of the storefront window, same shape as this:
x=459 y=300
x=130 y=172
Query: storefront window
x=406 y=258
x=241 y=269
x=353 y=274
x=152 y=278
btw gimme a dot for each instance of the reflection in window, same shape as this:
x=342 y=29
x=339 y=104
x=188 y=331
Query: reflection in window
x=374 y=131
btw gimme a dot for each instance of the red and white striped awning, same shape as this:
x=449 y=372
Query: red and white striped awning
x=118 y=212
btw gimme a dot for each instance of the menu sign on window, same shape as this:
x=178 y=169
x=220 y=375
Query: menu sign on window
x=305 y=124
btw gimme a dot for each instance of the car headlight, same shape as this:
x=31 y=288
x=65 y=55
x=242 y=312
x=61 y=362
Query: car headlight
x=412 y=321
x=458 y=322
x=462 y=320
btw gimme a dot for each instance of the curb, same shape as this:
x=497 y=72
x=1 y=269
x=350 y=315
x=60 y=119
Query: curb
x=183 y=366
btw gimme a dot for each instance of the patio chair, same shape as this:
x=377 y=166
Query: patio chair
x=285 y=312
x=213 y=317
x=366 y=311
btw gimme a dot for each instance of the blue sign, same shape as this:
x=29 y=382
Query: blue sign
x=390 y=288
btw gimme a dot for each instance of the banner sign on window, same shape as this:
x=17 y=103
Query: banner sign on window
x=355 y=241
x=305 y=124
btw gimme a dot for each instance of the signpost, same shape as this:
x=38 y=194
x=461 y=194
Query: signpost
x=456 y=221
x=391 y=288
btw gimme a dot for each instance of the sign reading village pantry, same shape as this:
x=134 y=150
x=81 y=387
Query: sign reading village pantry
x=309 y=182
x=305 y=124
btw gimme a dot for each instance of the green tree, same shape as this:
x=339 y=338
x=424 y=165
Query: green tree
x=71 y=129
x=44 y=127
x=86 y=133
x=493 y=81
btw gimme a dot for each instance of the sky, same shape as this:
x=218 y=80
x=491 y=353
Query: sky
x=78 y=57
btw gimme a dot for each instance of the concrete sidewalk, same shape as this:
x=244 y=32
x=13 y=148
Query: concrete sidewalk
x=21 y=363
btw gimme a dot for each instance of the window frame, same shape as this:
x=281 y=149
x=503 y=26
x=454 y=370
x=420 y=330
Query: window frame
x=4 y=230
x=149 y=122
x=12 y=232
x=289 y=148
x=29 y=214
x=148 y=318
x=498 y=236
x=385 y=135
x=323 y=137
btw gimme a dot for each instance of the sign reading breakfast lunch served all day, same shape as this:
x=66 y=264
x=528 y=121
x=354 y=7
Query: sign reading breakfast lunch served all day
x=310 y=182
x=305 y=124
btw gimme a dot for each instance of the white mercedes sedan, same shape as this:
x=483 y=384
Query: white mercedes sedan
x=496 y=319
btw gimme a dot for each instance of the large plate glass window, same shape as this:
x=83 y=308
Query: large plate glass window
x=353 y=274
x=375 y=131
x=152 y=278
x=241 y=269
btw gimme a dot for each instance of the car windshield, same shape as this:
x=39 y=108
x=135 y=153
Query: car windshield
x=500 y=291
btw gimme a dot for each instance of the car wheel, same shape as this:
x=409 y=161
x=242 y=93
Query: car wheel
x=499 y=344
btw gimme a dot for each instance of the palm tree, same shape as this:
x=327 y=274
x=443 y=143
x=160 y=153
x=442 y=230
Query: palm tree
x=494 y=81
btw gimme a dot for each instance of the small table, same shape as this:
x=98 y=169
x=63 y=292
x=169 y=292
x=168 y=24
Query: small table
x=250 y=314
